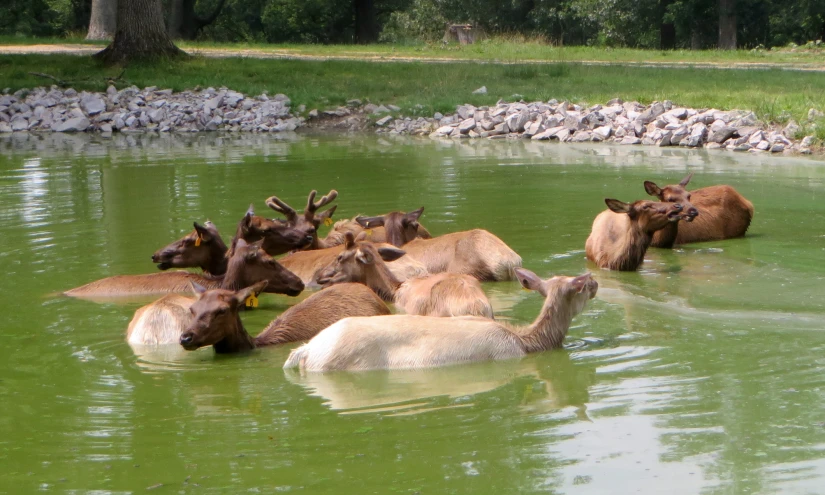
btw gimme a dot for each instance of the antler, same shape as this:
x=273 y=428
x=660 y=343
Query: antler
x=281 y=207
x=312 y=206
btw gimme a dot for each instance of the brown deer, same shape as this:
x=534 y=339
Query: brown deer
x=202 y=248
x=308 y=264
x=723 y=213
x=310 y=221
x=442 y=294
x=407 y=341
x=214 y=317
x=398 y=227
x=621 y=234
x=279 y=237
x=249 y=264
x=375 y=231
x=477 y=253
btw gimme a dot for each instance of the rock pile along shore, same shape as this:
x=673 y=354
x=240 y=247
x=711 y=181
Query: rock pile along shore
x=162 y=110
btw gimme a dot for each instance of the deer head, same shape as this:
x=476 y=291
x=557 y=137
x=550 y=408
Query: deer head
x=353 y=263
x=675 y=193
x=401 y=227
x=649 y=216
x=309 y=222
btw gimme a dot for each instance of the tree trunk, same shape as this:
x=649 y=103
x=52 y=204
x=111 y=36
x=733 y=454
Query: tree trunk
x=103 y=21
x=727 y=24
x=667 y=30
x=695 y=39
x=140 y=34
x=366 y=27
x=184 y=23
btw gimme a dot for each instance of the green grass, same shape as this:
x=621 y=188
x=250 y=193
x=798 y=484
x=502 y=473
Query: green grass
x=502 y=49
x=775 y=95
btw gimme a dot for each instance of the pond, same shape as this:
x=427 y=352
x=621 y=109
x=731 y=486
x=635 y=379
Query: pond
x=704 y=372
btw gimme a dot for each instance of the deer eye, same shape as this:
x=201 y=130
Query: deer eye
x=221 y=311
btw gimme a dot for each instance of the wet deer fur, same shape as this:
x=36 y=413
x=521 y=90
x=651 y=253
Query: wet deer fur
x=279 y=237
x=308 y=264
x=621 y=234
x=308 y=222
x=409 y=342
x=723 y=213
x=249 y=264
x=442 y=294
x=214 y=317
x=202 y=248
x=477 y=252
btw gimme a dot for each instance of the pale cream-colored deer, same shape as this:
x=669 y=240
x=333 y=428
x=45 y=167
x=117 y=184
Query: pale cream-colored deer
x=408 y=342
x=441 y=294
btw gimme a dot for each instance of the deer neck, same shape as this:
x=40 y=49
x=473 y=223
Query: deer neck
x=216 y=263
x=666 y=237
x=381 y=280
x=236 y=339
x=207 y=280
x=550 y=327
x=633 y=249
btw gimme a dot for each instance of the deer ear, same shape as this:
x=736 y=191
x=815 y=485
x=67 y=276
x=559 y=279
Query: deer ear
x=364 y=257
x=370 y=222
x=197 y=289
x=530 y=280
x=414 y=215
x=617 y=206
x=324 y=215
x=578 y=284
x=685 y=181
x=652 y=189
x=251 y=210
x=362 y=236
x=349 y=240
x=253 y=290
x=203 y=232
x=390 y=254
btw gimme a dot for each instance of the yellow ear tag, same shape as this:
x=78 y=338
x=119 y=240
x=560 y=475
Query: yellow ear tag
x=251 y=301
x=525 y=289
x=198 y=241
x=369 y=232
x=327 y=221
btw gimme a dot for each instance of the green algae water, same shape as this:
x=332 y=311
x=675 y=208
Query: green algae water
x=704 y=372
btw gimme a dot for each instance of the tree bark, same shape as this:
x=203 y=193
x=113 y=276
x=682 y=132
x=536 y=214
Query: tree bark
x=140 y=34
x=366 y=26
x=184 y=23
x=103 y=21
x=667 y=30
x=727 y=24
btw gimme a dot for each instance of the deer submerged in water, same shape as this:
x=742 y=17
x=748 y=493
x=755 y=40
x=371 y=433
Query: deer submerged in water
x=409 y=342
x=441 y=294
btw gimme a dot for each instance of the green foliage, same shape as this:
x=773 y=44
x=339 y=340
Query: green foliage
x=601 y=23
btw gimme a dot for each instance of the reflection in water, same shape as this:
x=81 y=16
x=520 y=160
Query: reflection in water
x=700 y=373
x=416 y=390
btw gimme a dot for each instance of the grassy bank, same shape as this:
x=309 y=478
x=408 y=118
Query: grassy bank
x=500 y=49
x=775 y=95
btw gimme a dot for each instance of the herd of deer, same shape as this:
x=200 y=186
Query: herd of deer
x=368 y=261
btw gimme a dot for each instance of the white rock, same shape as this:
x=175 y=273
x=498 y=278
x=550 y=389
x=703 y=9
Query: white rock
x=92 y=104
x=383 y=121
x=604 y=131
x=76 y=124
x=467 y=125
x=481 y=91
x=444 y=130
x=777 y=148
